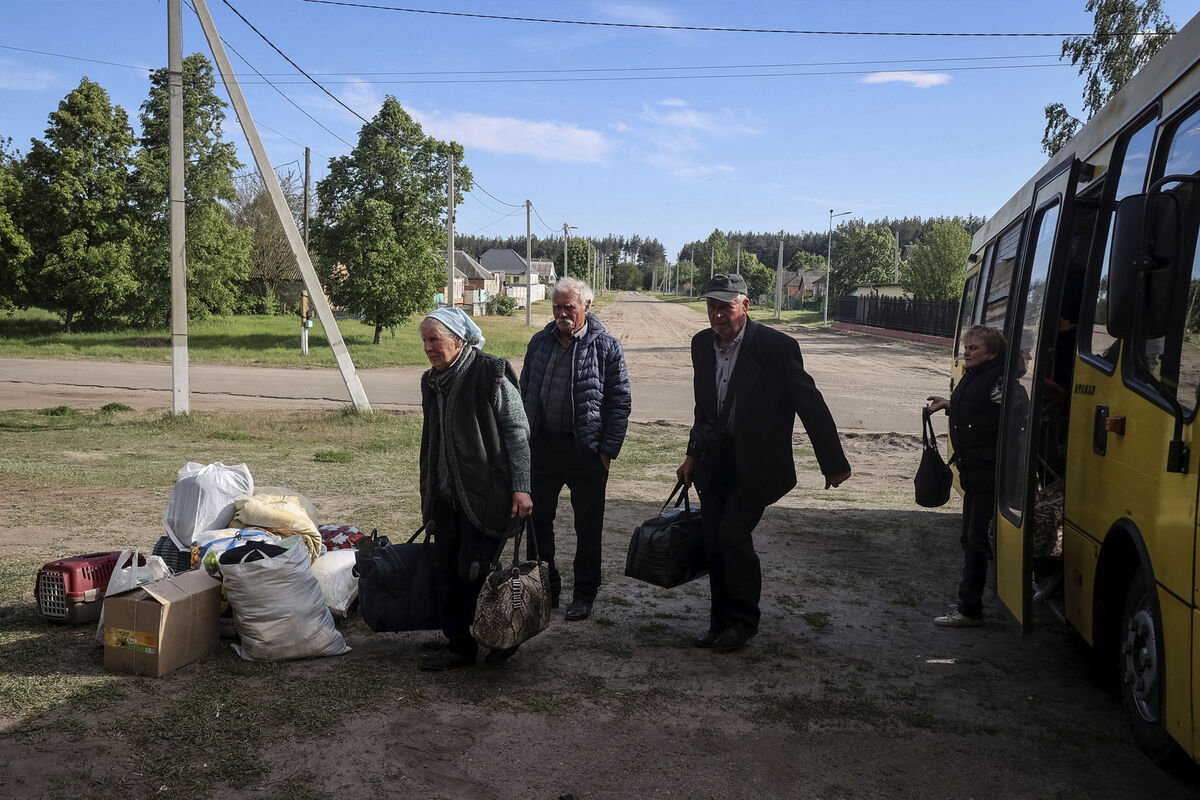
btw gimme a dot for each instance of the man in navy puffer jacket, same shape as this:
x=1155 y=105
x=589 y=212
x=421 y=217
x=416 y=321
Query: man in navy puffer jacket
x=576 y=394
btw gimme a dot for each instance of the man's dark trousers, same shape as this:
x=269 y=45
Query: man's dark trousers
x=557 y=463
x=734 y=573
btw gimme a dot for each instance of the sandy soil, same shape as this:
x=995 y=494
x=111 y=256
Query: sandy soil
x=847 y=692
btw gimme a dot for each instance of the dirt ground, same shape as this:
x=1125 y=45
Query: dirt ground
x=848 y=691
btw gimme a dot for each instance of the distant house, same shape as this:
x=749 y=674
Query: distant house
x=503 y=262
x=546 y=271
x=805 y=283
x=475 y=275
x=879 y=290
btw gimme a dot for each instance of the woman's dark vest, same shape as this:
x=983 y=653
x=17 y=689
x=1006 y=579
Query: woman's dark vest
x=480 y=474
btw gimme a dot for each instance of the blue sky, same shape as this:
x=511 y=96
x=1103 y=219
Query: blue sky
x=720 y=130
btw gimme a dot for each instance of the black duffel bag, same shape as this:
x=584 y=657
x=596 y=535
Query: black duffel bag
x=397 y=584
x=933 y=479
x=668 y=549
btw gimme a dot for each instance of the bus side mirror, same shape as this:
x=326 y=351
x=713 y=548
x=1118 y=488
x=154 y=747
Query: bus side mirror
x=1145 y=241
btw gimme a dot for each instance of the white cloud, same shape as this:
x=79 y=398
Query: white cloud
x=619 y=126
x=15 y=76
x=359 y=95
x=921 y=80
x=700 y=171
x=679 y=115
x=549 y=141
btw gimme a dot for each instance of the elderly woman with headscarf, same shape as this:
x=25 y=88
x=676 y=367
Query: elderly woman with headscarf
x=474 y=470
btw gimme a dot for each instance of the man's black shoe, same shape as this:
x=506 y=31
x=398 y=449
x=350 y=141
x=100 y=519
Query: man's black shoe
x=443 y=660
x=731 y=639
x=497 y=657
x=579 y=609
x=707 y=640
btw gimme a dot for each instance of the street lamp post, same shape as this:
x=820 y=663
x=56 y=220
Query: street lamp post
x=829 y=261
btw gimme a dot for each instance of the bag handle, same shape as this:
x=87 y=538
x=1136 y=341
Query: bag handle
x=671 y=496
x=412 y=538
x=927 y=433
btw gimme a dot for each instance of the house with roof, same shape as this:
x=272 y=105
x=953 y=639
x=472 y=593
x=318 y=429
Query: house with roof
x=511 y=269
x=805 y=283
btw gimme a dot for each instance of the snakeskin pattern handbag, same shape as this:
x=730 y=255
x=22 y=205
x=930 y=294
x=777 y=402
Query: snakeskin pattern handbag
x=514 y=601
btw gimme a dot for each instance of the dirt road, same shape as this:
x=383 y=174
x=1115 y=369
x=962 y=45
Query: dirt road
x=655 y=335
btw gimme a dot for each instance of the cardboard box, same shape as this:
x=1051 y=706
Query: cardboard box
x=162 y=626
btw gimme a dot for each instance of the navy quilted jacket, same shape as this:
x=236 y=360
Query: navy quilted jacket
x=599 y=387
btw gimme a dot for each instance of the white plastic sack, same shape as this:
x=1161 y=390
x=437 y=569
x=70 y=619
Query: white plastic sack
x=202 y=499
x=278 y=608
x=128 y=575
x=339 y=585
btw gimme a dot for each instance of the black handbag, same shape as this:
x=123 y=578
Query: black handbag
x=934 y=478
x=397 y=584
x=514 y=601
x=668 y=549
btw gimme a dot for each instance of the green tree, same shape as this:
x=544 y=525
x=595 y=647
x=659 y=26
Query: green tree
x=1127 y=35
x=381 y=208
x=218 y=254
x=937 y=265
x=861 y=255
x=75 y=210
x=760 y=279
x=579 y=251
x=272 y=262
x=806 y=260
x=627 y=276
x=15 y=252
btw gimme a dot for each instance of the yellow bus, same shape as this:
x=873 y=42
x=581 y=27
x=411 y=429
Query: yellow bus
x=1091 y=270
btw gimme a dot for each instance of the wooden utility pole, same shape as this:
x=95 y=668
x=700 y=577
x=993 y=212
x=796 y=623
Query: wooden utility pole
x=450 y=232
x=779 y=278
x=528 y=267
x=180 y=388
x=307 y=190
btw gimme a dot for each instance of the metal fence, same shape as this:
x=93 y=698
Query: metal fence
x=929 y=317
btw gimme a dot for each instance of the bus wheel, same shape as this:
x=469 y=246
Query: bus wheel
x=1140 y=671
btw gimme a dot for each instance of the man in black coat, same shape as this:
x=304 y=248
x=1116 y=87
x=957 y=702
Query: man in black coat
x=749 y=383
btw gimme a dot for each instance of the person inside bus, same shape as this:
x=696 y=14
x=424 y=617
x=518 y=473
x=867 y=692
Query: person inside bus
x=974 y=409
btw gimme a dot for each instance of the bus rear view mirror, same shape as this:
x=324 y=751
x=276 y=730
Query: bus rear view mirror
x=1145 y=242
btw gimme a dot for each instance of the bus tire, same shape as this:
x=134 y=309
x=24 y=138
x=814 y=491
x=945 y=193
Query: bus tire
x=1140 y=670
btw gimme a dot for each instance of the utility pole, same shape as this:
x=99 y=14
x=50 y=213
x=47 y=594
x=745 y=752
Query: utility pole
x=528 y=267
x=450 y=232
x=180 y=388
x=307 y=190
x=739 y=260
x=691 y=283
x=712 y=260
x=779 y=278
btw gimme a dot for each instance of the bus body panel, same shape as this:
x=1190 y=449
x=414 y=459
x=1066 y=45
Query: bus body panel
x=1080 y=555
x=1177 y=655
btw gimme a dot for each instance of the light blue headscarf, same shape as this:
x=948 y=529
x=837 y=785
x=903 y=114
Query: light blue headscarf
x=461 y=324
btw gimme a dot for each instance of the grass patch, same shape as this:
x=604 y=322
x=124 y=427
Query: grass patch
x=817 y=620
x=333 y=457
x=253 y=340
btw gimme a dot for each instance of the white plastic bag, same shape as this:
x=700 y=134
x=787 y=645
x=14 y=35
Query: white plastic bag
x=278 y=607
x=202 y=499
x=124 y=578
x=339 y=585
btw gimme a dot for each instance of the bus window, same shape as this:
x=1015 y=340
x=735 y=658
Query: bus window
x=1130 y=172
x=1175 y=359
x=1000 y=281
x=1016 y=423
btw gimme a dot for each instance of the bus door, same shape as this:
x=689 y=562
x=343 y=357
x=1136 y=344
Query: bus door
x=1032 y=330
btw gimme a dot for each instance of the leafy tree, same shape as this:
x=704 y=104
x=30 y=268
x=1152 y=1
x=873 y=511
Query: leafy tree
x=15 y=252
x=627 y=276
x=936 y=267
x=381 y=212
x=1127 y=35
x=579 y=251
x=806 y=260
x=272 y=262
x=861 y=255
x=760 y=279
x=218 y=254
x=75 y=212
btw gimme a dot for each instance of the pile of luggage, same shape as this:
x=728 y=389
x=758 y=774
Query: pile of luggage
x=246 y=563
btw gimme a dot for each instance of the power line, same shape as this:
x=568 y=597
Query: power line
x=497 y=199
x=283 y=95
x=77 y=58
x=612 y=78
x=539 y=217
x=708 y=28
